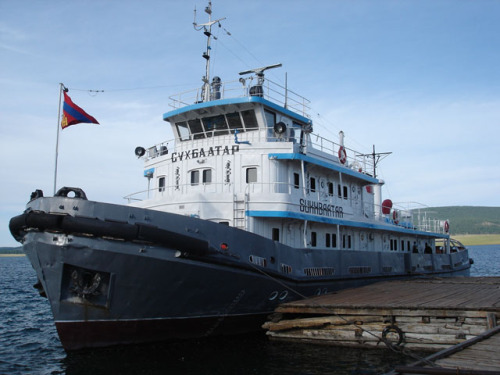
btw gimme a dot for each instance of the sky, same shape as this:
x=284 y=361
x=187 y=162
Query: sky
x=418 y=78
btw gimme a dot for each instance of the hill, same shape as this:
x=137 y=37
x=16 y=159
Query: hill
x=11 y=250
x=469 y=219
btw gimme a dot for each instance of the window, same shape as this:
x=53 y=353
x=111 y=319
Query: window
x=312 y=184
x=270 y=118
x=195 y=177
x=346 y=241
x=327 y=240
x=161 y=183
x=234 y=121
x=402 y=245
x=251 y=175
x=346 y=192
x=313 y=239
x=182 y=130
x=296 y=180
x=207 y=176
x=330 y=189
x=215 y=125
x=249 y=119
x=334 y=240
x=196 y=129
x=276 y=234
x=394 y=245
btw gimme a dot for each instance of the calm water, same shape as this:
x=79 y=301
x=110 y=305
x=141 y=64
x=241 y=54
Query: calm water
x=29 y=343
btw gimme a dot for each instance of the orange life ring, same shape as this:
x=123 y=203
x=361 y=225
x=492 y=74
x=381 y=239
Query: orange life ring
x=395 y=216
x=342 y=155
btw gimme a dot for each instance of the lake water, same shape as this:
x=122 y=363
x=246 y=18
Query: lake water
x=29 y=342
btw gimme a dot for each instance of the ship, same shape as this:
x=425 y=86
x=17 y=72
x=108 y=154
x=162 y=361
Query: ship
x=246 y=209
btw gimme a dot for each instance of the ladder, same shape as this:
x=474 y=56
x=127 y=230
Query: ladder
x=239 y=208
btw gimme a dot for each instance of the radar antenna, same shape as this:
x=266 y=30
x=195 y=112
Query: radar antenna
x=207 y=30
x=259 y=72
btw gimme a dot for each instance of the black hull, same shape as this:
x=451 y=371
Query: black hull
x=81 y=335
x=187 y=277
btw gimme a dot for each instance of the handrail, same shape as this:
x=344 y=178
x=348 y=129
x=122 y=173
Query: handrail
x=271 y=91
x=407 y=219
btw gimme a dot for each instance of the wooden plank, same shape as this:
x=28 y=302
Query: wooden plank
x=463 y=293
x=406 y=311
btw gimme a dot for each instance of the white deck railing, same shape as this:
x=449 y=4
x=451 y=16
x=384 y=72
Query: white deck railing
x=355 y=209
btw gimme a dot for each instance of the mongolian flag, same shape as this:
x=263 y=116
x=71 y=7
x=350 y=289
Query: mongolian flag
x=72 y=114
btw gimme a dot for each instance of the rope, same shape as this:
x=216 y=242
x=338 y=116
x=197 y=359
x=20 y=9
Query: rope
x=387 y=343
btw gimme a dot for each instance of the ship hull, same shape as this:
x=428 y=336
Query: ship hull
x=106 y=291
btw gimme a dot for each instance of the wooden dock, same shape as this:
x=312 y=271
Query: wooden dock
x=480 y=355
x=422 y=314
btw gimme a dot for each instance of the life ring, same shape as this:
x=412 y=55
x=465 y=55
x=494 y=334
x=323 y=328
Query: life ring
x=446 y=226
x=342 y=155
x=395 y=216
x=392 y=335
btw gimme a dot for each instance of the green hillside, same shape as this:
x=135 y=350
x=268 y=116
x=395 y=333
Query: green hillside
x=11 y=250
x=469 y=219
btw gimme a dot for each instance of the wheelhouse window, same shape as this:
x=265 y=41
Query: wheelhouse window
x=270 y=118
x=215 y=125
x=251 y=175
x=234 y=121
x=249 y=119
x=346 y=192
x=182 y=130
x=196 y=129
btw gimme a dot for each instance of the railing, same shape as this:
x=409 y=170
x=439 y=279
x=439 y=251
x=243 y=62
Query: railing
x=421 y=218
x=354 y=160
x=237 y=89
x=409 y=218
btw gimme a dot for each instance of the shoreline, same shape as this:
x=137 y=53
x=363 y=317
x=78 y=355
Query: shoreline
x=11 y=255
x=478 y=239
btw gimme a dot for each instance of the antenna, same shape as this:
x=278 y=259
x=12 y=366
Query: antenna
x=207 y=30
x=377 y=157
x=260 y=71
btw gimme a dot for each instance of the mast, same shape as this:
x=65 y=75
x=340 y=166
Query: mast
x=207 y=30
x=377 y=157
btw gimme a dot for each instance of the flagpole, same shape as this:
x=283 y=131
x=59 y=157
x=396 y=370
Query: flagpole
x=61 y=88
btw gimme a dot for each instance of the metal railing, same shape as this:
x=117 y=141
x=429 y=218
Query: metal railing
x=270 y=90
x=409 y=218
